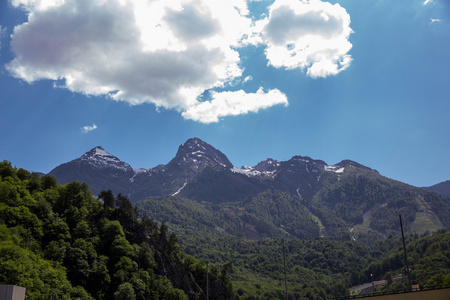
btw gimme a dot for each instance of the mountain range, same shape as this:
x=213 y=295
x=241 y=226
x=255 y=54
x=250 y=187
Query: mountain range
x=301 y=197
x=101 y=170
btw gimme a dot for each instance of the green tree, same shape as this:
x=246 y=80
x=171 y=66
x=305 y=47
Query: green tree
x=49 y=182
x=6 y=170
x=23 y=174
x=35 y=182
x=163 y=230
x=124 y=207
x=125 y=291
x=22 y=267
x=108 y=199
x=56 y=229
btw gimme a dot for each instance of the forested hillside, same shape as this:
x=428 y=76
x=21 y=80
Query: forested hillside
x=60 y=242
x=320 y=268
x=370 y=202
x=356 y=203
x=428 y=259
x=249 y=234
x=270 y=214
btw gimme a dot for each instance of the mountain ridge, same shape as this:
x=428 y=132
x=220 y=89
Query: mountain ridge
x=102 y=170
x=338 y=197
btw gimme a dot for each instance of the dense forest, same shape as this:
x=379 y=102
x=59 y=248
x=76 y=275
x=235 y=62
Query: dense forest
x=251 y=233
x=61 y=242
x=321 y=268
x=272 y=213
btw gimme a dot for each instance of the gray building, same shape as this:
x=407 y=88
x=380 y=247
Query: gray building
x=12 y=292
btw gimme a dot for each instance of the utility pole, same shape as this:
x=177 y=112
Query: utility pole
x=404 y=250
x=373 y=285
x=285 y=278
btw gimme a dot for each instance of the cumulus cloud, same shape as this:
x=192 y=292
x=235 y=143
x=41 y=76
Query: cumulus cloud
x=88 y=128
x=169 y=53
x=311 y=35
x=234 y=103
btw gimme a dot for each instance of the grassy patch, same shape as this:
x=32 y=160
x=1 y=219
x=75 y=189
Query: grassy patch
x=317 y=220
x=425 y=220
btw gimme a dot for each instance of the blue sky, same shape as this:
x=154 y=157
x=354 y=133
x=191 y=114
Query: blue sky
x=361 y=80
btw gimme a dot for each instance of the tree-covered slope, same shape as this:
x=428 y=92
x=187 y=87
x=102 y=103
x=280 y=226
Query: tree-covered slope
x=428 y=260
x=60 y=242
x=270 y=214
x=368 y=202
x=247 y=232
x=320 y=268
x=221 y=186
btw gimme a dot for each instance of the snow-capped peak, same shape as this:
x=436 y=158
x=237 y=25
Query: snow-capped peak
x=99 y=158
x=196 y=154
x=96 y=152
x=100 y=151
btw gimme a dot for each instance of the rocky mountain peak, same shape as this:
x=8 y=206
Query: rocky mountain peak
x=196 y=152
x=98 y=157
x=350 y=163
x=267 y=165
x=97 y=151
x=306 y=160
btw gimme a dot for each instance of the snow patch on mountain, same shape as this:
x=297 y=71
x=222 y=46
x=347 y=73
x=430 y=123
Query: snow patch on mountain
x=335 y=169
x=247 y=171
x=250 y=171
x=198 y=153
x=220 y=163
x=141 y=170
x=179 y=190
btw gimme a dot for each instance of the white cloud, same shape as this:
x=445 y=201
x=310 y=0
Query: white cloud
x=88 y=128
x=234 y=103
x=427 y=1
x=36 y=4
x=169 y=52
x=311 y=35
x=435 y=20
